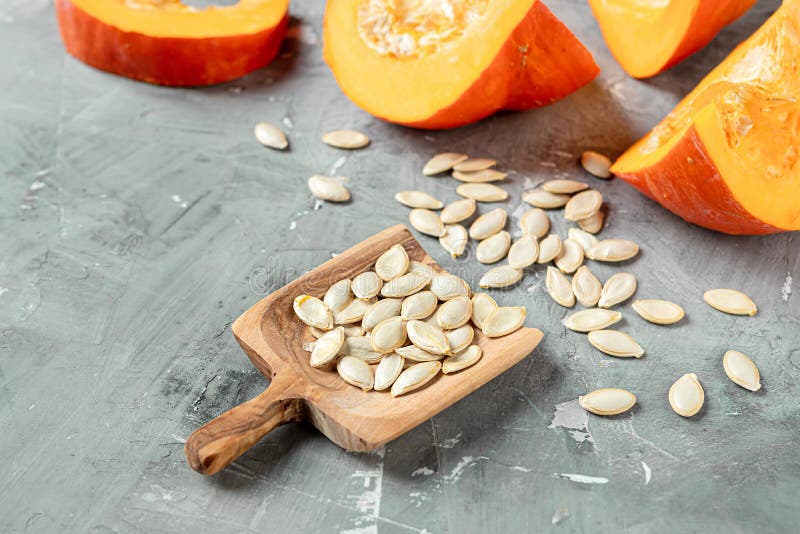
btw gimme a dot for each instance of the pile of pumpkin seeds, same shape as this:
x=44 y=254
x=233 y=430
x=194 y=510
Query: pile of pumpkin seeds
x=398 y=326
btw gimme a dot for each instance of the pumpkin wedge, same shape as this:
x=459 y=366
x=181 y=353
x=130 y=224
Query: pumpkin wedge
x=167 y=43
x=442 y=64
x=649 y=37
x=726 y=157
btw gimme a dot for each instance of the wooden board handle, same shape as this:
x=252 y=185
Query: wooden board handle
x=219 y=442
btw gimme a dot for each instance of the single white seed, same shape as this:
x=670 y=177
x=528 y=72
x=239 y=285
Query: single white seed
x=426 y=221
x=270 y=136
x=442 y=162
x=328 y=188
x=348 y=139
x=596 y=164
x=607 y=401
x=741 y=370
x=458 y=211
x=658 y=311
x=615 y=343
x=418 y=199
x=454 y=240
x=686 y=396
x=730 y=301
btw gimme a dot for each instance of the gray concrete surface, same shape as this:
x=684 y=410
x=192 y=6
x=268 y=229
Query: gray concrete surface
x=138 y=222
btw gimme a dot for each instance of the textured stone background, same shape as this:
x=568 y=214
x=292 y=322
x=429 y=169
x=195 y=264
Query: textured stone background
x=138 y=222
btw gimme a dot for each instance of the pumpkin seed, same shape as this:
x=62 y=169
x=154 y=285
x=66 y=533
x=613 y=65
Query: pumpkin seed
x=535 y=222
x=570 y=257
x=613 y=250
x=544 y=199
x=392 y=263
x=592 y=319
x=348 y=139
x=493 y=248
x=459 y=338
x=416 y=354
x=454 y=313
x=389 y=368
x=327 y=347
x=353 y=312
x=584 y=239
x=686 y=396
x=313 y=312
x=449 y=286
x=405 y=285
x=338 y=295
x=488 y=224
x=419 y=305
x=559 y=288
x=480 y=177
x=502 y=276
x=418 y=199
x=380 y=311
x=415 y=377
x=482 y=306
x=549 y=249
x=504 y=320
x=564 y=187
x=420 y=268
x=730 y=301
x=356 y=372
x=388 y=335
x=458 y=211
x=327 y=188
x=353 y=331
x=596 y=164
x=618 y=288
x=360 y=347
x=474 y=164
x=454 y=240
x=442 y=162
x=583 y=205
x=607 y=401
x=427 y=337
x=658 y=311
x=426 y=221
x=270 y=136
x=741 y=370
x=462 y=360
x=615 y=343
x=594 y=223
x=367 y=285
x=482 y=192
x=523 y=252
x=586 y=287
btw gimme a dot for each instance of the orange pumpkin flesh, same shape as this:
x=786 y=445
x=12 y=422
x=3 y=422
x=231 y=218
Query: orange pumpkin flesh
x=442 y=69
x=167 y=43
x=727 y=156
x=649 y=37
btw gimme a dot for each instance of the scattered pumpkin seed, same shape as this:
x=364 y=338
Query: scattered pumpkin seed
x=564 y=187
x=348 y=139
x=327 y=188
x=468 y=357
x=454 y=313
x=419 y=305
x=544 y=199
x=474 y=164
x=741 y=370
x=613 y=250
x=353 y=331
x=559 y=288
x=480 y=177
x=361 y=347
x=494 y=248
x=389 y=368
x=442 y=162
x=488 y=224
x=270 y=136
x=482 y=192
x=658 y=311
x=454 y=240
x=313 y=312
x=380 y=311
x=338 y=295
x=535 y=222
x=524 y=252
x=420 y=268
x=618 y=288
x=392 y=263
x=549 y=249
x=353 y=312
x=596 y=164
x=594 y=223
x=356 y=372
x=570 y=257
x=418 y=199
x=449 y=286
x=482 y=306
x=427 y=337
x=584 y=239
x=426 y=221
x=388 y=335
x=586 y=287
x=607 y=401
x=367 y=285
x=504 y=320
x=502 y=276
x=327 y=347
x=459 y=338
x=458 y=211
x=591 y=319
x=415 y=377
x=686 y=396
x=583 y=205
x=413 y=353
x=615 y=343
x=730 y=301
x=405 y=285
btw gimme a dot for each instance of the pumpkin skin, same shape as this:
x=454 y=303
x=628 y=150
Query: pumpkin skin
x=165 y=43
x=646 y=40
x=526 y=59
x=728 y=156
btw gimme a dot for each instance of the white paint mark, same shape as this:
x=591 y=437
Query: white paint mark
x=449 y=443
x=318 y=204
x=422 y=471
x=647 y=473
x=547 y=164
x=32 y=406
x=372 y=529
x=430 y=138
x=562 y=154
x=571 y=416
x=178 y=439
x=520 y=468
x=287 y=121
x=338 y=164
x=292 y=225
x=583 y=479
x=732 y=413
x=528 y=183
x=458 y=470
x=37 y=185
x=627 y=426
x=418 y=497
x=3 y=290
x=559 y=515
x=516 y=215
x=179 y=201
x=786 y=290
x=604 y=363
x=368 y=502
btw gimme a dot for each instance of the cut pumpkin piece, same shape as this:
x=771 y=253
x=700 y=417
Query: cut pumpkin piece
x=726 y=157
x=167 y=43
x=445 y=63
x=647 y=37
